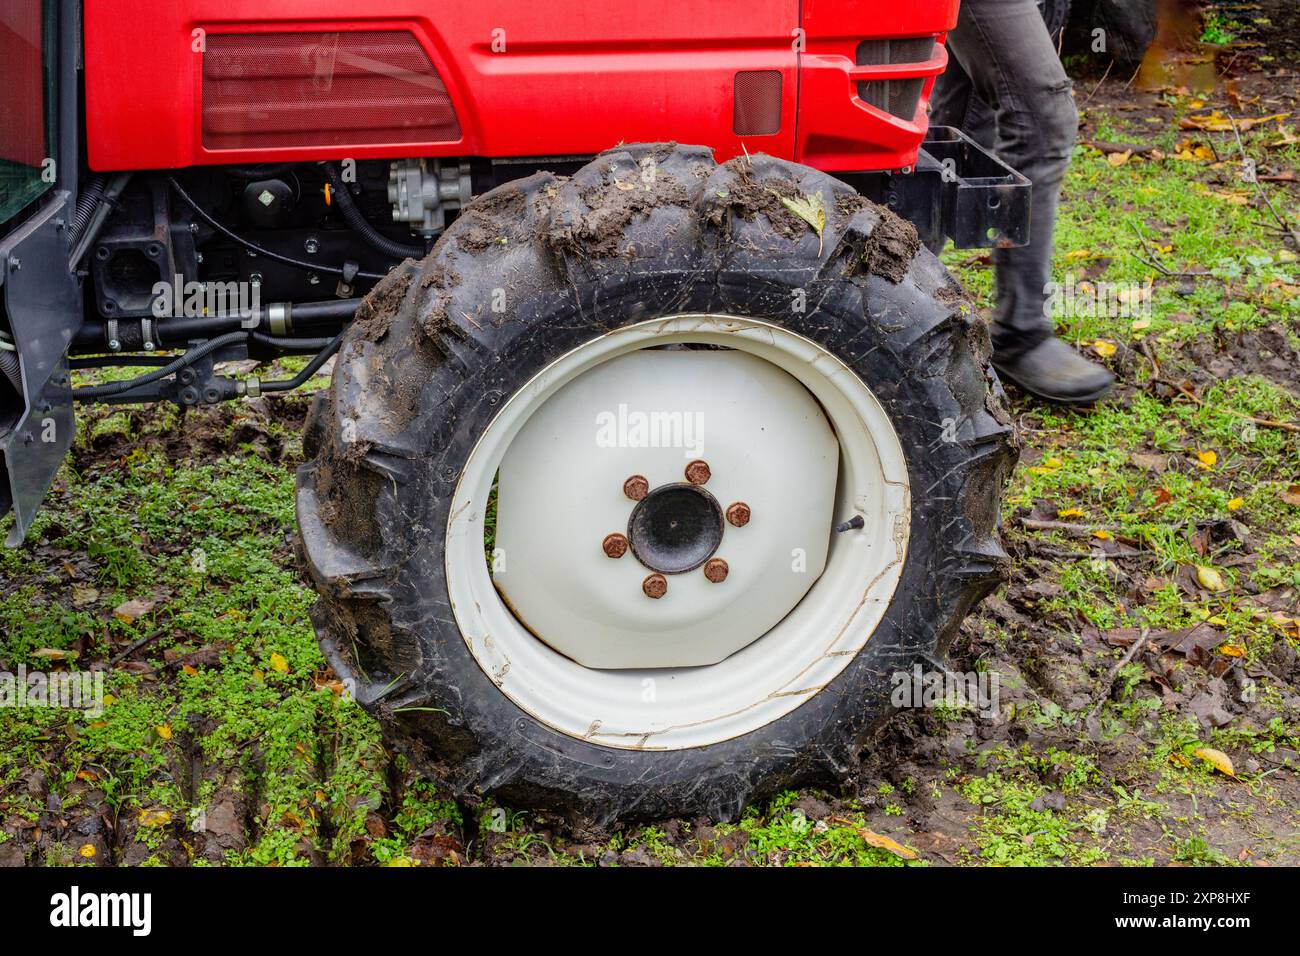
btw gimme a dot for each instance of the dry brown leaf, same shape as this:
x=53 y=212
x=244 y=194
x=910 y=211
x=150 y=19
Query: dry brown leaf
x=130 y=611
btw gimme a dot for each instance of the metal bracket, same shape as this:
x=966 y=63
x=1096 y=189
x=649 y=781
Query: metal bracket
x=44 y=309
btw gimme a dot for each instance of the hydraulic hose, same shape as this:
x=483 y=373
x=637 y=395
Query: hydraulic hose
x=103 y=205
x=361 y=226
x=86 y=206
x=310 y=369
x=189 y=358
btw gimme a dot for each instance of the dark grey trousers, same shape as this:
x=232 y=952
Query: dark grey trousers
x=1005 y=88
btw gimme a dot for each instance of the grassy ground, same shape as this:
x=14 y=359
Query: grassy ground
x=1172 y=511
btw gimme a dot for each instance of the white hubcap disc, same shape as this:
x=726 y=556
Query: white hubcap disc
x=798 y=603
x=651 y=413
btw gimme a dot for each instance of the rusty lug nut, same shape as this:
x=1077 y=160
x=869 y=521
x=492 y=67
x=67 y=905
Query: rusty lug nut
x=636 y=487
x=614 y=545
x=738 y=514
x=716 y=570
x=655 y=586
x=698 y=472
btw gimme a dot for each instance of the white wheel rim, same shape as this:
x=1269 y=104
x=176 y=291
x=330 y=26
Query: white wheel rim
x=678 y=708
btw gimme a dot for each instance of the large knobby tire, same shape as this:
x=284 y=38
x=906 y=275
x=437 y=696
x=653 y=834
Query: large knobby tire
x=539 y=267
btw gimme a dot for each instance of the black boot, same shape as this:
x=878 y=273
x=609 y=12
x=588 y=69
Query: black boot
x=1056 y=373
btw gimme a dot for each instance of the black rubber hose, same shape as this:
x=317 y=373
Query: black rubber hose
x=98 y=216
x=189 y=358
x=86 y=205
x=260 y=250
x=290 y=344
x=361 y=226
x=309 y=370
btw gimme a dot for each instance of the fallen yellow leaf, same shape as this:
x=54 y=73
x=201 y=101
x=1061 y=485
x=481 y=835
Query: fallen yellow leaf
x=1069 y=513
x=1206 y=460
x=1102 y=535
x=155 y=818
x=1217 y=759
x=164 y=731
x=278 y=663
x=87 y=851
x=881 y=842
x=1103 y=348
x=1236 y=504
x=1210 y=579
x=1119 y=159
x=1232 y=650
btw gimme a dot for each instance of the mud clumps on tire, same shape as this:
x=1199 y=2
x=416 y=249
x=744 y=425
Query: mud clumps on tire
x=490 y=220
x=436 y=326
x=611 y=207
x=891 y=248
x=748 y=197
x=381 y=305
x=338 y=476
x=850 y=204
x=437 y=274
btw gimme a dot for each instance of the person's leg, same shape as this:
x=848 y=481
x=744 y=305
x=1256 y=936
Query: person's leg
x=1003 y=47
x=955 y=104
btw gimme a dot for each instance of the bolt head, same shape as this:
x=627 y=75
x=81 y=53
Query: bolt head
x=716 y=570
x=614 y=545
x=698 y=472
x=738 y=514
x=655 y=586
x=636 y=487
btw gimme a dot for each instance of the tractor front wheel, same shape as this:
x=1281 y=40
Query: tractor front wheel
x=642 y=493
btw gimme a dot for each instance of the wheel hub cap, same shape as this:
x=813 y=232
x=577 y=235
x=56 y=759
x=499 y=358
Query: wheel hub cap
x=675 y=528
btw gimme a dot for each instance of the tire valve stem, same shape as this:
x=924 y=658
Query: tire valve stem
x=853 y=524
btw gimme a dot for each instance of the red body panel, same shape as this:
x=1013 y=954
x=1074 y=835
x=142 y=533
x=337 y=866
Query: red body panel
x=22 y=121
x=574 y=76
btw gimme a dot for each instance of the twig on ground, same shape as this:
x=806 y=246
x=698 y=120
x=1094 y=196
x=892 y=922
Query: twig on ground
x=1114 y=671
x=1145 y=348
x=1151 y=263
x=1090 y=555
x=1261 y=422
x=137 y=645
x=1088 y=99
x=1035 y=524
x=1291 y=232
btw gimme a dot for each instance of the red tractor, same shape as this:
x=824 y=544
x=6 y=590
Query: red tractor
x=648 y=471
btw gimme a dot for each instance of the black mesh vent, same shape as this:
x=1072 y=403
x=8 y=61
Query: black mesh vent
x=757 y=104
x=897 y=97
